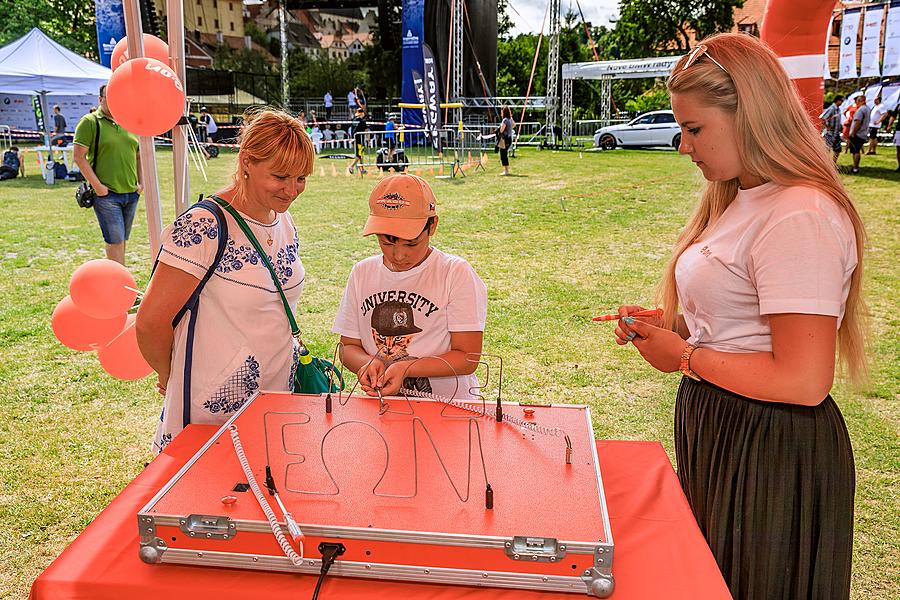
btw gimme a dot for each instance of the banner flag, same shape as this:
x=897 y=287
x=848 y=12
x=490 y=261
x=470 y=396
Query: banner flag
x=871 y=45
x=412 y=38
x=892 y=42
x=110 y=28
x=849 y=35
x=827 y=73
x=432 y=96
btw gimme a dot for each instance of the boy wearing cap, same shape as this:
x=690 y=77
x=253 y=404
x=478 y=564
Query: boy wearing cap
x=410 y=301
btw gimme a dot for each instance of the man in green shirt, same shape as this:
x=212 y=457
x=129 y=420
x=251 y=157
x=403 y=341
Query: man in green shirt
x=115 y=174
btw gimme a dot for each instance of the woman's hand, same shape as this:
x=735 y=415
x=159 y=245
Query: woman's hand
x=623 y=333
x=161 y=385
x=370 y=374
x=661 y=348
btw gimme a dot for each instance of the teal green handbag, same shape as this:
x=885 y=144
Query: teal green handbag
x=313 y=375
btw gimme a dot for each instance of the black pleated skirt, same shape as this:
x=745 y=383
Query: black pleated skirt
x=771 y=486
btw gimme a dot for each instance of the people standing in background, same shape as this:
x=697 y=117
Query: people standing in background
x=859 y=127
x=208 y=127
x=329 y=105
x=505 y=137
x=360 y=98
x=351 y=103
x=358 y=127
x=59 y=128
x=390 y=137
x=848 y=109
x=895 y=124
x=879 y=113
x=117 y=177
x=831 y=121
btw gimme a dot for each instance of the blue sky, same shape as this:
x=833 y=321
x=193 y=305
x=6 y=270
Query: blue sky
x=527 y=15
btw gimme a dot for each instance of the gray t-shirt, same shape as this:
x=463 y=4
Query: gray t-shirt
x=59 y=124
x=862 y=117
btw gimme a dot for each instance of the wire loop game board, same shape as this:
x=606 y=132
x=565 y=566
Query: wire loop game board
x=423 y=490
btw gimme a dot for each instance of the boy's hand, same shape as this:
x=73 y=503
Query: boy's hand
x=392 y=379
x=370 y=374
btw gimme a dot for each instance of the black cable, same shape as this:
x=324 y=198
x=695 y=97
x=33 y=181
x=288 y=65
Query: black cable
x=330 y=551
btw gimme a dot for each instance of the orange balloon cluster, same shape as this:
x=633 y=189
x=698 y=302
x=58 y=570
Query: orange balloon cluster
x=144 y=94
x=153 y=48
x=94 y=316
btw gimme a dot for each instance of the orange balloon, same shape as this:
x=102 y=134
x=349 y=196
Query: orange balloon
x=153 y=48
x=122 y=357
x=145 y=97
x=78 y=331
x=99 y=288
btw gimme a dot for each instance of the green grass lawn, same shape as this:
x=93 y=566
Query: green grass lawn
x=569 y=236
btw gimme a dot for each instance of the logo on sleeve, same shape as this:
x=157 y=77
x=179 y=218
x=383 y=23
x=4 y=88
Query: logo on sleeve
x=705 y=251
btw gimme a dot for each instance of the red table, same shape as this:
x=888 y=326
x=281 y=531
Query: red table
x=659 y=551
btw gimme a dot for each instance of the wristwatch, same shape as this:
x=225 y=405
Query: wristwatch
x=686 y=362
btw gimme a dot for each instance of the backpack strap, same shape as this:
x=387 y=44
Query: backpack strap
x=193 y=302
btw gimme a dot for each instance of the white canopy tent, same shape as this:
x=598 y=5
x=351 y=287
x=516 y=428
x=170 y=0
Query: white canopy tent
x=605 y=71
x=36 y=65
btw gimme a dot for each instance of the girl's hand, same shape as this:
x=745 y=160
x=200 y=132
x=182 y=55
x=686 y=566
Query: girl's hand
x=370 y=374
x=661 y=348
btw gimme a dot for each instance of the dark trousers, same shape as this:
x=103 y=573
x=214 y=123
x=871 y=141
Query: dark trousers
x=504 y=157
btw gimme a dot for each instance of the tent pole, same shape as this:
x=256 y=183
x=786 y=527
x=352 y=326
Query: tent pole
x=135 y=37
x=175 y=15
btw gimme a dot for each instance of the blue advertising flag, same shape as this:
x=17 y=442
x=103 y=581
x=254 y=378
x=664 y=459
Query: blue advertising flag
x=413 y=36
x=110 y=28
x=432 y=93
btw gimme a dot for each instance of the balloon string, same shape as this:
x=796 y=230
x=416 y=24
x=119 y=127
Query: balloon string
x=136 y=291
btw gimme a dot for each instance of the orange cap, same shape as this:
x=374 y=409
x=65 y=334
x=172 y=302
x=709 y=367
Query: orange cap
x=400 y=205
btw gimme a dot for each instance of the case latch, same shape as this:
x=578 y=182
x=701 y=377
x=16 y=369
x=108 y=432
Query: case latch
x=208 y=526
x=534 y=549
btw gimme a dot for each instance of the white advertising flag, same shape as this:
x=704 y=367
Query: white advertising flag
x=871 y=45
x=892 y=41
x=849 y=34
x=827 y=73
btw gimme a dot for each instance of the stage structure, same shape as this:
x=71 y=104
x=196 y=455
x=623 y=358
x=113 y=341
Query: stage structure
x=605 y=72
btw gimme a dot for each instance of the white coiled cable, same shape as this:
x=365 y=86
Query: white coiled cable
x=296 y=559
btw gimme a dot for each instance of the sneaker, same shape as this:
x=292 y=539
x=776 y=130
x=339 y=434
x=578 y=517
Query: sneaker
x=350 y=170
x=854 y=171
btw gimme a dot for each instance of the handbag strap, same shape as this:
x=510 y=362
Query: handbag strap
x=96 y=144
x=295 y=329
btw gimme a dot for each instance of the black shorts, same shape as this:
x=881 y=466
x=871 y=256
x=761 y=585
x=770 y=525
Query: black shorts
x=391 y=143
x=873 y=133
x=856 y=144
x=833 y=140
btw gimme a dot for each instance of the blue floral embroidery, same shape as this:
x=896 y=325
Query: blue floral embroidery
x=189 y=231
x=242 y=384
x=235 y=257
x=164 y=441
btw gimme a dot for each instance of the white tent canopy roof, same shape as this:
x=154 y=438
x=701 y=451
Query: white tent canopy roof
x=35 y=64
x=621 y=69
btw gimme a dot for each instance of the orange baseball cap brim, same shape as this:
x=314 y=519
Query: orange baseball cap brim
x=405 y=229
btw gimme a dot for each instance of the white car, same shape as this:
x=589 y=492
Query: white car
x=657 y=128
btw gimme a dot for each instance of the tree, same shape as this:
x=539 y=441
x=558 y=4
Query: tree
x=654 y=27
x=72 y=23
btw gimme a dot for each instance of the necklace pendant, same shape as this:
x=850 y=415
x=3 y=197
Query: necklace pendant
x=269 y=241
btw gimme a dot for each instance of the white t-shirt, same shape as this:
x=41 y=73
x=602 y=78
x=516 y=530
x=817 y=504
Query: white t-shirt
x=775 y=249
x=877 y=113
x=240 y=341
x=211 y=126
x=411 y=313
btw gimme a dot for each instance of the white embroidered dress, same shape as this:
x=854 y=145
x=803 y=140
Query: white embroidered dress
x=238 y=340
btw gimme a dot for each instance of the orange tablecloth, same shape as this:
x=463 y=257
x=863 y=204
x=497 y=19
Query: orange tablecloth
x=659 y=551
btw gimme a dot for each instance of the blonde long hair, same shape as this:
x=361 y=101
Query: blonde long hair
x=757 y=91
x=273 y=134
